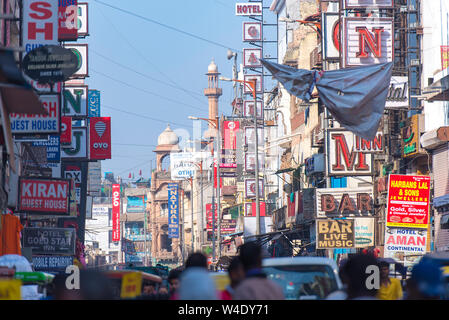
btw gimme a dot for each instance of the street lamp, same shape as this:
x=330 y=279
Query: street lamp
x=216 y=124
x=251 y=85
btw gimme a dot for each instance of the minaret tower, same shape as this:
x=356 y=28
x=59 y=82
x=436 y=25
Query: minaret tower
x=212 y=92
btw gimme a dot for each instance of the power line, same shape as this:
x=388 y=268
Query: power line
x=138 y=145
x=146 y=91
x=146 y=59
x=166 y=26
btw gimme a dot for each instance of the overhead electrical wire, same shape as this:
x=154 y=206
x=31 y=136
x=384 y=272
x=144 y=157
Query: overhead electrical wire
x=167 y=26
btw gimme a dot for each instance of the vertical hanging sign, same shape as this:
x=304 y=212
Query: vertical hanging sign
x=115 y=212
x=100 y=138
x=173 y=210
x=68 y=20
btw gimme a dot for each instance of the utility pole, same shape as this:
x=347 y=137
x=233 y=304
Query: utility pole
x=191 y=209
x=213 y=209
x=218 y=186
x=202 y=207
x=257 y=160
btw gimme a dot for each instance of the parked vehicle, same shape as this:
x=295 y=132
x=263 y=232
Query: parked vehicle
x=135 y=280
x=303 y=278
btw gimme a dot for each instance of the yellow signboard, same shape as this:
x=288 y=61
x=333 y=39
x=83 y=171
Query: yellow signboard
x=10 y=289
x=131 y=285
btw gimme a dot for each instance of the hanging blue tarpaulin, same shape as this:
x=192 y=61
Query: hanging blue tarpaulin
x=173 y=210
x=354 y=96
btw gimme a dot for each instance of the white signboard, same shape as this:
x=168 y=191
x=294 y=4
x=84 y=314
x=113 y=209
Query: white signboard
x=252 y=31
x=100 y=210
x=75 y=101
x=248 y=108
x=398 y=93
x=405 y=241
x=183 y=165
x=38 y=124
x=344 y=202
x=363 y=232
x=248 y=9
x=370 y=146
x=78 y=150
x=331 y=36
x=249 y=228
x=250 y=137
x=250 y=188
x=252 y=77
x=250 y=161
x=83 y=21
x=251 y=58
x=40 y=23
x=367 y=41
x=372 y=4
x=343 y=160
x=80 y=50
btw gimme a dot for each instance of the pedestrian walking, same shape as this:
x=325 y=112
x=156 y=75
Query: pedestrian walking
x=390 y=288
x=255 y=286
x=196 y=282
x=173 y=281
x=426 y=282
x=355 y=270
x=236 y=275
x=340 y=294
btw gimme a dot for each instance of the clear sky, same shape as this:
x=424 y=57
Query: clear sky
x=120 y=43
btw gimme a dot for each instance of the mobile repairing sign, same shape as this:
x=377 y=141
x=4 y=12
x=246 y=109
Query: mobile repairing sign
x=44 y=196
x=115 y=212
x=408 y=201
x=333 y=234
x=405 y=240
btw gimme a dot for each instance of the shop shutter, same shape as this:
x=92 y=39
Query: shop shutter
x=440 y=160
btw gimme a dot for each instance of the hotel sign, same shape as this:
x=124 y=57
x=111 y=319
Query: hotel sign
x=248 y=9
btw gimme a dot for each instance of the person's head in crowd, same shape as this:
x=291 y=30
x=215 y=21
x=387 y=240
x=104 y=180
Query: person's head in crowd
x=355 y=270
x=93 y=285
x=251 y=256
x=341 y=272
x=196 y=259
x=426 y=282
x=149 y=289
x=173 y=279
x=163 y=290
x=384 y=268
x=236 y=272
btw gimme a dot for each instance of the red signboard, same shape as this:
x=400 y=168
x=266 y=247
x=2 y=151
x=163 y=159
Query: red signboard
x=227 y=225
x=115 y=212
x=408 y=201
x=66 y=130
x=230 y=129
x=444 y=57
x=68 y=20
x=100 y=138
x=44 y=196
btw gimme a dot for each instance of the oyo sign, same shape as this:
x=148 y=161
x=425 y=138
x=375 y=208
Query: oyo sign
x=343 y=160
x=100 y=138
x=367 y=41
x=248 y=9
x=115 y=212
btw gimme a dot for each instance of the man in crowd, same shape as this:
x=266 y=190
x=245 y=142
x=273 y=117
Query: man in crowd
x=356 y=277
x=173 y=281
x=236 y=275
x=426 y=282
x=255 y=286
x=390 y=288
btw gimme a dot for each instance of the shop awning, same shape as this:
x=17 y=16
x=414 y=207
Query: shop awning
x=439 y=90
x=435 y=138
x=441 y=201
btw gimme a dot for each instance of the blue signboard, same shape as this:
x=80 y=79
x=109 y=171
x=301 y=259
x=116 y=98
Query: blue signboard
x=173 y=210
x=94 y=103
x=53 y=148
x=136 y=204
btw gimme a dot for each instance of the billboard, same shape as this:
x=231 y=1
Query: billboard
x=331 y=35
x=248 y=108
x=367 y=41
x=250 y=188
x=78 y=148
x=50 y=240
x=333 y=234
x=66 y=130
x=44 y=196
x=115 y=212
x=40 y=23
x=252 y=31
x=397 y=93
x=363 y=232
x=183 y=165
x=344 y=202
x=99 y=138
x=93 y=98
x=81 y=51
x=408 y=241
x=251 y=58
x=250 y=137
x=135 y=204
x=53 y=147
x=38 y=124
x=173 y=210
x=75 y=101
x=250 y=161
x=408 y=201
x=68 y=20
x=230 y=129
x=52 y=263
x=250 y=209
x=83 y=19
x=248 y=9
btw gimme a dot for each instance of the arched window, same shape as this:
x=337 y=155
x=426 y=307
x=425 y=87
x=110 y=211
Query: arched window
x=166 y=243
x=165 y=163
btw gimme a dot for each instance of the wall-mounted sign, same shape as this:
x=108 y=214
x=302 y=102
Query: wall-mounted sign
x=173 y=210
x=116 y=212
x=364 y=232
x=248 y=109
x=78 y=149
x=183 y=165
x=53 y=147
x=331 y=38
x=50 y=64
x=344 y=202
x=407 y=241
x=333 y=234
x=75 y=101
x=374 y=146
x=250 y=137
x=250 y=188
x=398 y=93
x=371 y=4
x=66 y=130
x=251 y=58
x=81 y=51
x=74 y=173
x=68 y=20
x=314 y=164
x=93 y=101
x=50 y=240
x=99 y=138
x=38 y=124
x=230 y=129
x=228 y=158
x=248 y=9
x=343 y=160
x=408 y=201
x=83 y=19
x=44 y=196
x=252 y=31
x=40 y=23
x=250 y=209
x=252 y=77
x=209 y=217
x=411 y=135
x=250 y=162
x=52 y=263
x=444 y=57
x=367 y=41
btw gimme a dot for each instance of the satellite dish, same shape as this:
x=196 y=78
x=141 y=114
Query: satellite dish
x=230 y=54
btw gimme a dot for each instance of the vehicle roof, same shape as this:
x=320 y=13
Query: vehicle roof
x=268 y=262
x=118 y=274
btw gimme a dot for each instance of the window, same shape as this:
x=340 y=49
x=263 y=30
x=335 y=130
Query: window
x=166 y=243
x=164 y=210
